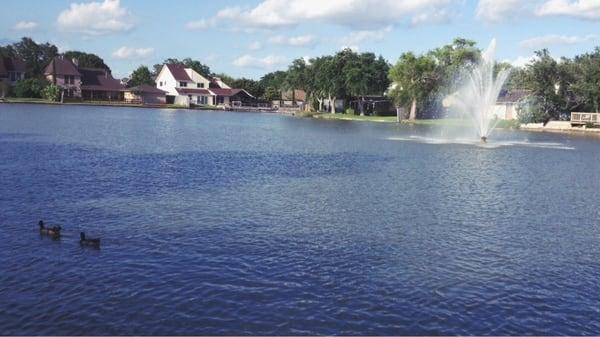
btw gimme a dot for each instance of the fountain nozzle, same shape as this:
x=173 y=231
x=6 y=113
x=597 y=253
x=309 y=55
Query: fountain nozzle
x=483 y=139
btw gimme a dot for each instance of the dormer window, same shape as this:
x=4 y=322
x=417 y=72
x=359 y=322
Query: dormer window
x=183 y=84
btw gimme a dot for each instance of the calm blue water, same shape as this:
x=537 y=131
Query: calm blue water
x=233 y=223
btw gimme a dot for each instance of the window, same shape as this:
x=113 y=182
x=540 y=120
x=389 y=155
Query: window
x=183 y=84
x=204 y=100
x=160 y=84
x=13 y=76
x=200 y=85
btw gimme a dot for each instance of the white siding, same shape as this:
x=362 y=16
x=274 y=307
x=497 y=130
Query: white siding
x=167 y=80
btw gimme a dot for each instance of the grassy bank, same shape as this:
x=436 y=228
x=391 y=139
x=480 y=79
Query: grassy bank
x=456 y=122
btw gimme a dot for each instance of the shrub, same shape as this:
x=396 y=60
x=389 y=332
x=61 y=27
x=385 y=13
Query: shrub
x=350 y=111
x=51 y=92
x=30 y=88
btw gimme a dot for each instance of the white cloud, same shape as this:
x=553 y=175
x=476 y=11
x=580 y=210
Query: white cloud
x=521 y=61
x=255 y=45
x=25 y=25
x=584 y=9
x=352 y=13
x=248 y=61
x=549 y=40
x=95 y=18
x=361 y=36
x=132 y=53
x=429 y=18
x=294 y=41
x=493 y=11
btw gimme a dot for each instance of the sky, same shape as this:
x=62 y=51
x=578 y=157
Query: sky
x=251 y=38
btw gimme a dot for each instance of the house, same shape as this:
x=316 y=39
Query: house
x=506 y=104
x=11 y=70
x=145 y=94
x=184 y=86
x=98 y=84
x=64 y=73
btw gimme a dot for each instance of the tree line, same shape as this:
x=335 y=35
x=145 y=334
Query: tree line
x=417 y=83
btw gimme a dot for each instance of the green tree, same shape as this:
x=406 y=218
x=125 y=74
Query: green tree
x=586 y=71
x=87 y=60
x=274 y=79
x=251 y=86
x=272 y=94
x=36 y=56
x=30 y=88
x=51 y=92
x=414 y=78
x=141 y=75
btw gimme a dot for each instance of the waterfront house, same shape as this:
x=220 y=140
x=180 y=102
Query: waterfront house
x=63 y=73
x=184 y=86
x=145 y=94
x=12 y=70
x=98 y=84
x=506 y=104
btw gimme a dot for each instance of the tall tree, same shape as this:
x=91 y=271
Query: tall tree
x=141 y=75
x=36 y=56
x=414 y=78
x=87 y=60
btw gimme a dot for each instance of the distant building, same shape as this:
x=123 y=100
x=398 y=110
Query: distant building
x=64 y=73
x=145 y=94
x=98 y=84
x=506 y=104
x=11 y=70
x=184 y=86
x=85 y=83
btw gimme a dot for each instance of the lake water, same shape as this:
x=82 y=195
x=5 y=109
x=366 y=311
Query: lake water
x=239 y=223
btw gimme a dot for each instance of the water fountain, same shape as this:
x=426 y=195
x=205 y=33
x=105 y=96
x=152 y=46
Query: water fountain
x=477 y=96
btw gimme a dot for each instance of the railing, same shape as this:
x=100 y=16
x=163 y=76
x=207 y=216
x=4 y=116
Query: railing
x=582 y=118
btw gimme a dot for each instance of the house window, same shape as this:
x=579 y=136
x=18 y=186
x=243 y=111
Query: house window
x=200 y=85
x=13 y=76
x=160 y=84
x=183 y=84
x=204 y=100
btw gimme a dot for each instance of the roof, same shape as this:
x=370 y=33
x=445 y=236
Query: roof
x=178 y=72
x=99 y=79
x=11 y=64
x=187 y=91
x=512 y=96
x=147 y=89
x=227 y=92
x=61 y=66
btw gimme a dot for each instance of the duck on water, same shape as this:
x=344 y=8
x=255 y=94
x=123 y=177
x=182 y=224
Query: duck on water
x=52 y=231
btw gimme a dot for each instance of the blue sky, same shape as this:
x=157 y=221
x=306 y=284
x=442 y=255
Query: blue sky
x=251 y=38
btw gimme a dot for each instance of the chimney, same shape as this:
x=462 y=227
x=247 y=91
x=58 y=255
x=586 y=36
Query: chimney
x=75 y=62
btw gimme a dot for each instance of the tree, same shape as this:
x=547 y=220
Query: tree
x=544 y=81
x=30 y=88
x=586 y=71
x=36 y=56
x=51 y=92
x=272 y=94
x=251 y=86
x=274 y=79
x=87 y=60
x=141 y=75
x=414 y=78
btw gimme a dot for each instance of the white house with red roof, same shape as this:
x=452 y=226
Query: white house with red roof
x=184 y=86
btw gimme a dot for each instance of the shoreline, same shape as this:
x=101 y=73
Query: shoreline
x=563 y=127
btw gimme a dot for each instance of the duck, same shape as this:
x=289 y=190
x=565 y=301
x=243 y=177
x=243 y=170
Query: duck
x=52 y=231
x=88 y=242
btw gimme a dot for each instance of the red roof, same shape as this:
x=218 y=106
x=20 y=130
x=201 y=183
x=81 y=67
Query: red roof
x=99 y=80
x=61 y=66
x=224 y=92
x=178 y=72
x=187 y=91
